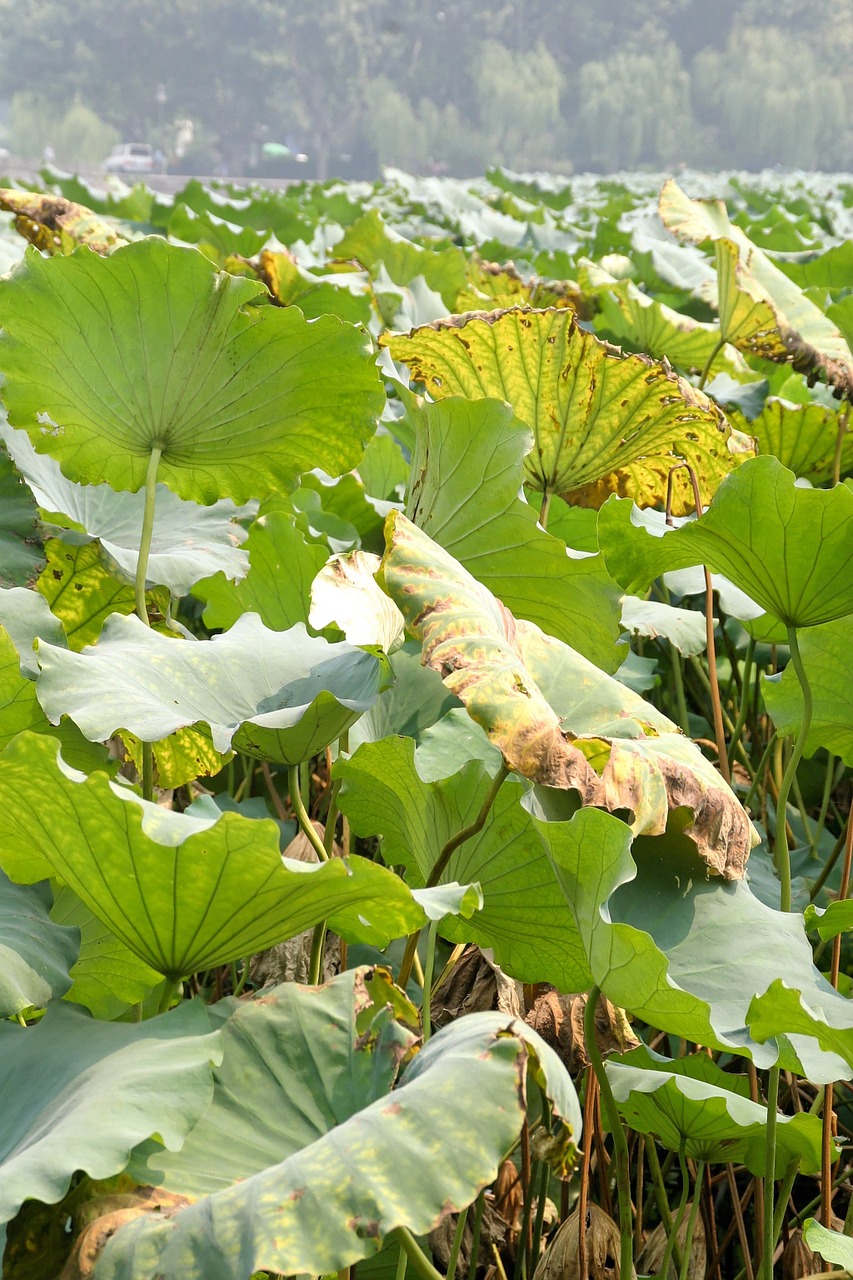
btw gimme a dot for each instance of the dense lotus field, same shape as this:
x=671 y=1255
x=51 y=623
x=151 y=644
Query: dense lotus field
x=426 y=729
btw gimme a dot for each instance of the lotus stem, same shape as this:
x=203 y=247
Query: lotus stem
x=416 y=1256
x=475 y=1239
x=709 y=364
x=783 y=856
x=770 y=1172
x=471 y=830
x=620 y=1142
x=676 y=1225
x=691 y=1221
x=301 y=814
x=318 y=951
x=147 y=531
x=429 y=969
x=457 y=1243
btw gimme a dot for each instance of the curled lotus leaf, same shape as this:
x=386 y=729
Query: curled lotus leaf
x=278 y=695
x=589 y=733
x=604 y=422
x=57 y=225
x=761 y=309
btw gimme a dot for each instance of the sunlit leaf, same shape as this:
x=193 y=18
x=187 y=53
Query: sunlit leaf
x=390 y=790
x=686 y=953
x=182 y=892
x=555 y=717
x=189 y=541
x=280 y=695
x=57 y=225
x=272 y=1196
x=603 y=422
x=761 y=309
x=467 y=471
x=154 y=349
x=788 y=548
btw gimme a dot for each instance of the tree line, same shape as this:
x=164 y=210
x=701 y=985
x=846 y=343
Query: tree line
x=436 y=85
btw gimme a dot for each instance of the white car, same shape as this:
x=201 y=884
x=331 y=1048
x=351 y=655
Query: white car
x=131 y=157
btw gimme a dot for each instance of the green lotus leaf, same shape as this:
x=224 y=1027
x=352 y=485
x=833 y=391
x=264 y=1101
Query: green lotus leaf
x=345 y=294
x=383 y=470
x=371 y=242
x=185 y=755
x=804 y=437
x=761 y=309
x=57 y=225
x=416 y=699
x=830 y=269
x=833 y=1246
x=603 y=422
x=784 y=1009
x=627 y=314
x=693 y=1105
x=182 y=892
x=826 y=657
x=266 y=1162
x=829 y=922
x=467 y=472
x=683 y=628
x=21 y=555
x=211 y=232
x=36 y=953
x=25 y=615
x=587 y=733
x=81 y=593
x=687 y=953
x=189 y=542
x=155 y=349
x=389 y=790
x=282 y=566
x=789 y=549
x=106 y=977
x=20 y=710
x=345 y=594
x=278 y=695
x=87 y=1092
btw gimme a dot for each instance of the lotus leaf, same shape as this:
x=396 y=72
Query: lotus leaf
x=279 y=695
x=182 y=892
x=36 y=953
x=155 y=349
x=588 y=733
x=603 y=422
x=272 y=1196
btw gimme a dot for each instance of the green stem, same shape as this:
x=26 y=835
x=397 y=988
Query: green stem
x=680 y=700
x=475 y=1239
x=620 y=1142
x=691 y=1221
x=743 y=708
x=770 y=1171
x=760 y=772
x=782 y=1198
x=471 y=830
x=676 y=1225
x=170 y=988
x=704 y=378
x=783 y=857
x=402 y=1264
x=457 y=1244
x=147 y=531
x=539 y=1220
x=318 y=951
x=543 y=510
x=661 y=1197
x=139 y=593
x=416 y=1256
x=429 y=969
x=305 y=823
x=716 y=703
